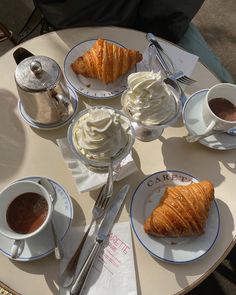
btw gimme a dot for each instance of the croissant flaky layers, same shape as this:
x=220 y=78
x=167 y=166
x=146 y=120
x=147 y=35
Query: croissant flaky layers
x=182 y=211
x=106 y=61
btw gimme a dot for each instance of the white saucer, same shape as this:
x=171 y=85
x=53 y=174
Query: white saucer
x=43 y=244
x=193 y=120
x=27 y=119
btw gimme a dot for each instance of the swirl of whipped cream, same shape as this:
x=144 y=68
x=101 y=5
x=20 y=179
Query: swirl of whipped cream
x=101 y=134
x=148 y=99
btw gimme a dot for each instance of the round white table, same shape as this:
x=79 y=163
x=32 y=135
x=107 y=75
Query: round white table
x=25 y=151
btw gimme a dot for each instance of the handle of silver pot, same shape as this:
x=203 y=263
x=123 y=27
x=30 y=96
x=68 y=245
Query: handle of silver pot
x=63 y=100
x=20 y=54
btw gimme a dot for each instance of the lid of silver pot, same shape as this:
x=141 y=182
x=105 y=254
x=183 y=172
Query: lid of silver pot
x=37 y=73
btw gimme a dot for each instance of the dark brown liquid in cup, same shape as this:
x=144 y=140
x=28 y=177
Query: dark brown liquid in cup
x=223 y=109
x=27 y=212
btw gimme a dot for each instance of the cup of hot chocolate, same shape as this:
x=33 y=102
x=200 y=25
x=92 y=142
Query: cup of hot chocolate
x=25 y=210
x=219 y=108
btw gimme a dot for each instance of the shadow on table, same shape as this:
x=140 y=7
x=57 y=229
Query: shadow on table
x=49 y=266
x=12 y=136
x=196 y=157
x=197 y=267
x=222 y=281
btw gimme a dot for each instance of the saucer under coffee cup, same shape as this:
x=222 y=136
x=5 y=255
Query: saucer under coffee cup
x=26 y=209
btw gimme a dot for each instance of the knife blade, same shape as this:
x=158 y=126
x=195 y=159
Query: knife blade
x=159 y=51
x=101 y=236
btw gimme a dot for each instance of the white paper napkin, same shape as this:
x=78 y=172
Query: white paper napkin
x=113 y=271
x=181 y=59
x=87 y=180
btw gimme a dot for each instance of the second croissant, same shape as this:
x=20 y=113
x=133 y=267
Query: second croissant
x=106 y=61
x=182 y=211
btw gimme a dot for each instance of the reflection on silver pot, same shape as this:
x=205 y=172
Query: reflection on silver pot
x=42 y=88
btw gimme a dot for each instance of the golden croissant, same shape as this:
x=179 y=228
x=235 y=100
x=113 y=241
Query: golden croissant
x=182 y=211
x=106 y=61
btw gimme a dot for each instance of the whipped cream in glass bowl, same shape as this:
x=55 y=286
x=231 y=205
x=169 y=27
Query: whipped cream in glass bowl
x=150 y=103
x=99 y=135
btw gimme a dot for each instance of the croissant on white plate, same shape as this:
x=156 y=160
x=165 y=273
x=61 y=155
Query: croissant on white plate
x=182 y=211
x=106 y=61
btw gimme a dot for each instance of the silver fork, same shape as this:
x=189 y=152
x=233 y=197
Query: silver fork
x=179 y=76
x=100 y=205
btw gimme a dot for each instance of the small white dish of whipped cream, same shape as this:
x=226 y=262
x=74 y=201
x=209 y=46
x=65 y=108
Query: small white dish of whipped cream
x=150 y=103
x=99 y=135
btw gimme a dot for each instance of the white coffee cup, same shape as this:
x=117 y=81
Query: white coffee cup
x=7 y=196
x=213 y=122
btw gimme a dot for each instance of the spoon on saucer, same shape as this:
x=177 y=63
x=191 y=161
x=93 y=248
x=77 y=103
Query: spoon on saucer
x=53 y=195
x=194 y=138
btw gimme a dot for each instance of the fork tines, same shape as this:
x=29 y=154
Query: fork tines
x=101 y=200
x=186 y=80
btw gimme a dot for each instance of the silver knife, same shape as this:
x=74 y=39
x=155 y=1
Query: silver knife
x=102 y=234
x=152 y=39
x=159 y=51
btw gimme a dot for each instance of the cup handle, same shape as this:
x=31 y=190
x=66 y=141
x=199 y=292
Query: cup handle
x=207 y=132
x=209 y=128
x=17 y=248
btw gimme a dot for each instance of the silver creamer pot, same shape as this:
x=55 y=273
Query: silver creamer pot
x=42 y=88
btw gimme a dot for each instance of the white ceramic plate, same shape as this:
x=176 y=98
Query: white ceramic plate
x=92 y=88
x=173 y=250
x=43 y=244
x=193 y=120
x=27 y=119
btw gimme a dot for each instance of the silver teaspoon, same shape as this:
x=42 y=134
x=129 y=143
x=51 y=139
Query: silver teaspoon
x=53 y=195
x=194 y=138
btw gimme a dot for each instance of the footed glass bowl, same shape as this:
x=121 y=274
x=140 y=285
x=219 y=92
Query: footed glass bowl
x=149 y=132
x=96 y=164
